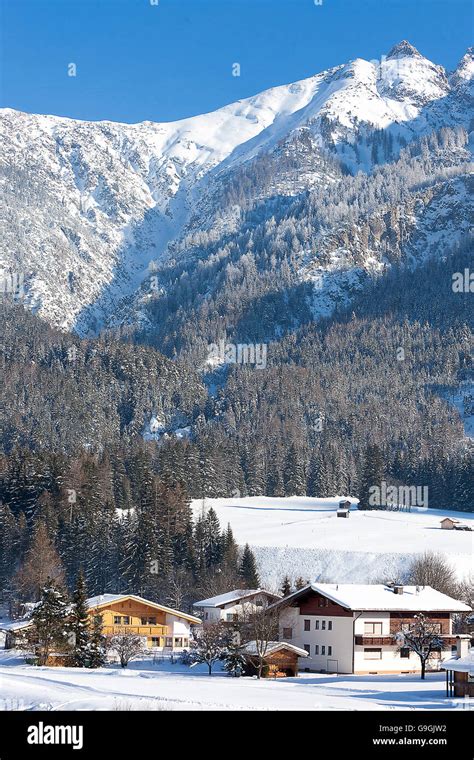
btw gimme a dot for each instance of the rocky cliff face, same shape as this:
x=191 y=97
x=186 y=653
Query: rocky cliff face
x=88 y=205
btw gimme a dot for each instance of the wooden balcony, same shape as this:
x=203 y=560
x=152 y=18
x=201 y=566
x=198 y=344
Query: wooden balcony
x=140 y=630
x=370 y=640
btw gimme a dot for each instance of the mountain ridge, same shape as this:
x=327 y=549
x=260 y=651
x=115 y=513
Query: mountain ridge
x=104 y=199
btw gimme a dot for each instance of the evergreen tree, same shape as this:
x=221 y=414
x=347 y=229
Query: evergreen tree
x=293 y=475
x=97 y=648
x=78 y=624
x=285 y=589
x=248 y=569
x=234 y=659
x=50 y=628
x=372 y=476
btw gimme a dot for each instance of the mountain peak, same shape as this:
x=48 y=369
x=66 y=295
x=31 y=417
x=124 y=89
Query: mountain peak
x=402 y=49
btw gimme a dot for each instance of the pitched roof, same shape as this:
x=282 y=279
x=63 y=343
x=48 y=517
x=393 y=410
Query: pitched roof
x=103 y=600
x=274 y=646
x=15 y=625
x=233 y=596
x=462 y=664
x=359 y=596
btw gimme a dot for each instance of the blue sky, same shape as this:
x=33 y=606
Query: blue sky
x=138 y=61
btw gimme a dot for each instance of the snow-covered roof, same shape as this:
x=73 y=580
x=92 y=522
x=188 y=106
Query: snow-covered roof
x=232 y=596
x=104 y=599
x=364 y=596
x=15 y=625
x=95 y=601
x=273 y=646
x=461 y=664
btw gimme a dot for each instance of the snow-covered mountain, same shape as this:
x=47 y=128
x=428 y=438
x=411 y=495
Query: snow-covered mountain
x=88 y=205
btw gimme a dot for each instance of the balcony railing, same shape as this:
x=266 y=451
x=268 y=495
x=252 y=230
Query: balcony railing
x=368 y=639
x=141 y=630
x=376 y=641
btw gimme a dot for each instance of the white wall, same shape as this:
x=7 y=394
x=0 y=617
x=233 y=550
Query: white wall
x=214 y=614
x=339 y=638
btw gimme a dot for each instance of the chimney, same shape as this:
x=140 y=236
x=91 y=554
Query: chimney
x=397 y=589
x=463 y=642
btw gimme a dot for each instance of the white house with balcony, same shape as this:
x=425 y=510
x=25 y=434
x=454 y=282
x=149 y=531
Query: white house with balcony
x=233 y=605
x=351 y=628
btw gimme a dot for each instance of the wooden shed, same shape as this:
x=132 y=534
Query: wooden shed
x=280 y=661
x=448 y=523
x=460 y=674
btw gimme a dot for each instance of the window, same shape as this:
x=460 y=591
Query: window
x=117 y=619
x=206 y=616
x=329 y=651
x=323 y=625
x=307 y=625
x=229 y=617
x=155 y=641
x=287 y=633
x=373 y=628
x=178 y=641
x=307 y=648
x=152 y=621
x=329 y=625
x=168 y=641
x=316 y=649
x=323 y=650
x=405 y=653
x=317 y=625
x=126 y=620
x=372 y=654
x=259 y=603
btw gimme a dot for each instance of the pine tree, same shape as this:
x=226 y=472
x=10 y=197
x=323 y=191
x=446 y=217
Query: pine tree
x=372 y=476
x=50 y=629
x=78 y=624
x=248 y=569
x=97 y=648
x=300 y=583
x=293 y=474
x=213 y=539
x=234 y=659
x=285 y=589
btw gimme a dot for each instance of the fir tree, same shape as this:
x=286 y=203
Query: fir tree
x=285 y=589
x=50 y=629
x=248 y=569
x=372 y=476
x=78 y=624
x=97 y=648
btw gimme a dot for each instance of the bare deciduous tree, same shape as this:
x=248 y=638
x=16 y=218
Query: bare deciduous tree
x=210 y=644
x=432 y=569
x=259 y=625
x=422 y=637
x=126 y=644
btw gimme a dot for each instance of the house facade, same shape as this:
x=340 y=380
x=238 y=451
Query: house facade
x=234 y=605
x=351 y=628
x=163 y=629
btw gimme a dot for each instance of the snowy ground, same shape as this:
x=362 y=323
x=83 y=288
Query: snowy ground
x=303 y=536
x=163 y=686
